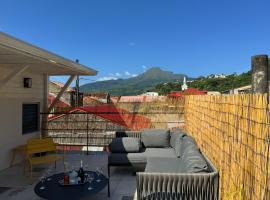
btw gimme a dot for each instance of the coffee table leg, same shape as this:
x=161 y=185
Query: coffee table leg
x=109 y=187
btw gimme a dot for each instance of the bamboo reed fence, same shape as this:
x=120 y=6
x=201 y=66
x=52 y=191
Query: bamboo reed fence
x=234 y=132
x=162 y=114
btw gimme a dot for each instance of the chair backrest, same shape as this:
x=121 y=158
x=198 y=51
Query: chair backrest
x=37 y=145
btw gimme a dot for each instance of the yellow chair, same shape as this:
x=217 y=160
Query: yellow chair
x=40 y=151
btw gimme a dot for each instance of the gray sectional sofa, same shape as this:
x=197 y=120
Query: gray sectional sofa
x=173 y=166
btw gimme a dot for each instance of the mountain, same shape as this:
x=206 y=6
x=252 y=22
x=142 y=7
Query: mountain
x=135 y=85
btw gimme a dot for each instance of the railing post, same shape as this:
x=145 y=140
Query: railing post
x=87 y=134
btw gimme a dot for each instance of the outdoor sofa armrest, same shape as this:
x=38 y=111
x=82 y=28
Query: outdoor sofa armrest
x=175 y=186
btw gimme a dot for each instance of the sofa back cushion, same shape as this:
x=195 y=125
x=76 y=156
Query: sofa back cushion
x=176 y=141
x=125 y=145
x=178 y=145
x=175 y=136
x=192 y=158
x=156 y=138
x=186 y=143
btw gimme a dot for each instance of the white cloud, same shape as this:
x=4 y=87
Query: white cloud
x=117 y=74
x=134 y=75
x=127 y=74
x=131 y=44
x=144 y=67
x=107 y=78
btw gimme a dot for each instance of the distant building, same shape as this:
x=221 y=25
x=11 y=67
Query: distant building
x=213 y=93
x=184 y=86
x=111 y=116
x=68 y=97
x=137 y=99
x=217 y=76
x=152 y=94
x=241 y=90
x=189 y=91
x=96 y=98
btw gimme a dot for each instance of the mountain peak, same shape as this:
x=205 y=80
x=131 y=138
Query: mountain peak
x=135 y=85
x=153 y=69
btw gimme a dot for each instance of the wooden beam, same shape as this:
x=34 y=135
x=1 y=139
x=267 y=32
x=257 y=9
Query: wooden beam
x=67 y=84
x=14 y=73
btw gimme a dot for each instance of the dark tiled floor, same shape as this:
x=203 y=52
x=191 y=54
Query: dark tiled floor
x=122 y=180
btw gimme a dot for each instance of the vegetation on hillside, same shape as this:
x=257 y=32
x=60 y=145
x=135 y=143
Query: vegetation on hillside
x=208 y=83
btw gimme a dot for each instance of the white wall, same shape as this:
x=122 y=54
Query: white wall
x=12 y=96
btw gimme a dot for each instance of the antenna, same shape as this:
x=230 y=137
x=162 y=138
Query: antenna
x=77 y=88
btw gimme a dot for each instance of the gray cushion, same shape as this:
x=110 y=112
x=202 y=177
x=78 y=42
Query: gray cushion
x=156 y=137
x=186 y=143
x=176 y=141
x=127 y=158
x=175 y=135
x=125 y=145
x=160 y=153
x=194 y=161
x=162 y=165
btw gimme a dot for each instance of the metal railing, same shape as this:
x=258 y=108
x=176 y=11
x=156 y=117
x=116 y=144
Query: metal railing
x=93 y=129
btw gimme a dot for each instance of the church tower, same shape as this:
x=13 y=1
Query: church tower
x=184 y=86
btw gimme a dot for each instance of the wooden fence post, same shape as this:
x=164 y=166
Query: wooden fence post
x=260 y=85
x=259 y=65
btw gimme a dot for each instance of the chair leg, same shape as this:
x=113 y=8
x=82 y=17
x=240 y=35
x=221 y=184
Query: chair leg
x=109 y=192
x=25 y=167
x=108 y=170
x=13 y=158
x=30 y=169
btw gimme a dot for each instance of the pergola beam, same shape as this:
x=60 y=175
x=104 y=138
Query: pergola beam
x=67 y=84
x=13 y=74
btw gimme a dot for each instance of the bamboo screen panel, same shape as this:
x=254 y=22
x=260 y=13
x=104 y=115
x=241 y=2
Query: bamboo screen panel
x=233 y=131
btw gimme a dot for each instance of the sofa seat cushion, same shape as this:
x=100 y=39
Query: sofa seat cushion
x=156 y=138
x=160 y=153
x=127 y=158
x=162 y=165
x=125 y=145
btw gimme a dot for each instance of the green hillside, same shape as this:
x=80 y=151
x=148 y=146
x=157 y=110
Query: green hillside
x=210 y=84
x=135 y=85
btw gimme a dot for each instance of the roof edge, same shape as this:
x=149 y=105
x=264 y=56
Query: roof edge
x=26 y=48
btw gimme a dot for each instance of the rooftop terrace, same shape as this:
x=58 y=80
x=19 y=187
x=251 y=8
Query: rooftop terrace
x=15 y=184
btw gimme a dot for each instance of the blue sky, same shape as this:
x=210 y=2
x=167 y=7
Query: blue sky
x=122 y=38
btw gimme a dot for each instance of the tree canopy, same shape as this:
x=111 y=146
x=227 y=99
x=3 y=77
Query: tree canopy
x=208 y=83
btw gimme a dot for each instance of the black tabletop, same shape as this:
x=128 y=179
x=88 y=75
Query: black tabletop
x=53 y=190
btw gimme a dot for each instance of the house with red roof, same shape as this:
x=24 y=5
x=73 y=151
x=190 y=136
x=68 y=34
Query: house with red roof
x=117 y=118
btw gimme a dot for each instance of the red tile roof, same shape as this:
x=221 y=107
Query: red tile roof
x=59 y=103
x=139 y=99
x=115 y=115
x=61 y=85
x=189 y=91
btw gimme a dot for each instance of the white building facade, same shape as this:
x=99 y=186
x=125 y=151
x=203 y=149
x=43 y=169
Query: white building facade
x=24 y=91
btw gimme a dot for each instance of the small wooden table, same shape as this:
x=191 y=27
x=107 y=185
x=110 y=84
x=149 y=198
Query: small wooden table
x=19 y=149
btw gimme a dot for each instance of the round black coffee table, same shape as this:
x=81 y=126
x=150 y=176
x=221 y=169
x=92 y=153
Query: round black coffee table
x=54 y=191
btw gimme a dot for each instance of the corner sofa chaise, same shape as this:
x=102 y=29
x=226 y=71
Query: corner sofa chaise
x=174 y=168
